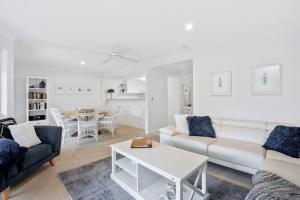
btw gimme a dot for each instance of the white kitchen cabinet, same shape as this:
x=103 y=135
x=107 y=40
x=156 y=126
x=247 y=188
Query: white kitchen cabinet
x=136 y=86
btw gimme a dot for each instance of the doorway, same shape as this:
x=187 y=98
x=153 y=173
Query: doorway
x=169 y=92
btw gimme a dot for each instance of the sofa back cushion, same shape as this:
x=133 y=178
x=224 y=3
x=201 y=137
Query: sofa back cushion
x=249 y=131
x=181 y=123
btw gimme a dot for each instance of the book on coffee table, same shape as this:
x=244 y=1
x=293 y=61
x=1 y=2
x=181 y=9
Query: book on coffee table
x=142 y=142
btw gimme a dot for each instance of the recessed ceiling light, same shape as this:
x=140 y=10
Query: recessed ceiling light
x=143 y=78
x=82 y=62
x=189 y=26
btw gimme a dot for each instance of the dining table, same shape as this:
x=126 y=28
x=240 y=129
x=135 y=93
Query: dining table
x=73 y=114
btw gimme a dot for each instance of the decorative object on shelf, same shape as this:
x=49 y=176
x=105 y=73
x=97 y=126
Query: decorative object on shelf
x=42 y=84
x=266 y=80
x=59 y=89
x=70 y=89
x=110 y=92
x=88 y=90
x=221 y=83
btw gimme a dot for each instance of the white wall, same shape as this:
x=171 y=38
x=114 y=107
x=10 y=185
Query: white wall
x=132 y=112
x=56 y=75
x=281 y=49
x=7 y=76
x=156 y=100
x=271 y=48
x=174 y=100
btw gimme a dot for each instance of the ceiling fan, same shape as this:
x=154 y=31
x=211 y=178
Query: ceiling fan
x=116 y=52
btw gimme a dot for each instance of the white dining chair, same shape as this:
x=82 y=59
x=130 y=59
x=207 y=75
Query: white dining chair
x=68 y=125
x=109 y=121
x=87 y=125
x=86 y=109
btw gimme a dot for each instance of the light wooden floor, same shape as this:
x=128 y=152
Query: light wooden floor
x=45 y=184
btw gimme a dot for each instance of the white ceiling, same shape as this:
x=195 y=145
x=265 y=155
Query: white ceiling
x=58 y=32
x=178 y=68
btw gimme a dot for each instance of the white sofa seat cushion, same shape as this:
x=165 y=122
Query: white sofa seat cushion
x=195 y=144
x=280 y=156
x=287 y=170
x=169 y=130
x=239 y=152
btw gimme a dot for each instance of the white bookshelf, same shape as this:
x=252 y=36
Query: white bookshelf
x=37 y=96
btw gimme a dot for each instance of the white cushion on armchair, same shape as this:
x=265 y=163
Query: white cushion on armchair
x=24 y=134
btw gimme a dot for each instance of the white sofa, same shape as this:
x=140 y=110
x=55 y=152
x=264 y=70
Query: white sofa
x=238 y=145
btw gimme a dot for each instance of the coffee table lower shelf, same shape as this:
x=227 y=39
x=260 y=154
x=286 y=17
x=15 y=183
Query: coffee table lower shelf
x=143 y=183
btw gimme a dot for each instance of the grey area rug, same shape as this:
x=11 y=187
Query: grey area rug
x=92 y=182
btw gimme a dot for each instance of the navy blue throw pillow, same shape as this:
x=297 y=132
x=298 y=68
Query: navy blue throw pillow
x=200 y=126
x=10 y=152
x=284 y=139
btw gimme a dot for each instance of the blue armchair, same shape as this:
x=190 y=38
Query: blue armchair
x=35 y=157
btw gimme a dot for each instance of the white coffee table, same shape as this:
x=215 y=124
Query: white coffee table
x=144 y=173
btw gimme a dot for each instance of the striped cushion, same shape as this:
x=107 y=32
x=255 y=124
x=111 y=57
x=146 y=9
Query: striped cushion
x=268 y=185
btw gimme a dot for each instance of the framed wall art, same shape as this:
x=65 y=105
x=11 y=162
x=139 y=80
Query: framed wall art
x=266 y=80
x=59 y=89
x=88 y=90
x=69 y=89
x=221 y=83
x=79 y=90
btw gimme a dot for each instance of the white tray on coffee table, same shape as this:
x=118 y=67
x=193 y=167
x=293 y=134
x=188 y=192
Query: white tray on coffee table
x=145 y=172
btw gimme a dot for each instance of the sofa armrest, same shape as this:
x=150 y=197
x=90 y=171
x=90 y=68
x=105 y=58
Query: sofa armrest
x=50 y=135
x=169 y=130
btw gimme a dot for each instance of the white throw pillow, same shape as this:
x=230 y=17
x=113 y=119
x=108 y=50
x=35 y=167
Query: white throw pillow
x=181 y=123
x=24 y=134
